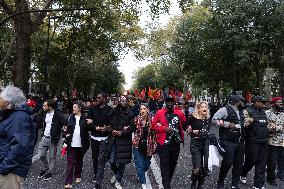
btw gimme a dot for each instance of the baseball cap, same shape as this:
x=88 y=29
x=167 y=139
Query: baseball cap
x=236 y=98
x=259 y=99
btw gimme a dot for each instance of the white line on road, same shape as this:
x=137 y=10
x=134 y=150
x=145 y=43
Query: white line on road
x=157 y=172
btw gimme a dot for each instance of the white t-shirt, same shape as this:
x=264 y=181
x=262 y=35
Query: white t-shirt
x=76 y=140
x=48 y=122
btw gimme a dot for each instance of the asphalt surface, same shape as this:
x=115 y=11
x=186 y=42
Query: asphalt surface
x=181 y=179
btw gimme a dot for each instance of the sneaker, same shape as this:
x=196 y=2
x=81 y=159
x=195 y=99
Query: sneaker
x=220 y=185
x=98 y=186
x=243 y=179
x=47 y=176
x=234 y=187
x=258 y=188
x=78 y=180
x=144 y=186
x=68 y=186
x=117 y=185
x=94 y=179
x=41 y=175
x=272 y=183
x=113 y=179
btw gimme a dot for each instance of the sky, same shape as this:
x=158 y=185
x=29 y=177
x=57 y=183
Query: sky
x=128 y=63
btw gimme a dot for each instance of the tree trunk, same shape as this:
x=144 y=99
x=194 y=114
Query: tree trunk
x=21 y=69
x=281 y=75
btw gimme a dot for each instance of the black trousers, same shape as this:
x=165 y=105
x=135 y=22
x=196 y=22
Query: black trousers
x=255 y=155
x=99 y=156
x=168 y=160
x=234 y=156
x=274 y=156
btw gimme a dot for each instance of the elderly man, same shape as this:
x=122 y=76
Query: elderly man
x=275 y=117
x=17 y=137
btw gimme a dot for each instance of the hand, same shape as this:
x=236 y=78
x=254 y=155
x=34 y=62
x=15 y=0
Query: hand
x=64 y=128
x=89 y=121
x=232 y=126
x=188 y=130
x=114 y=133
x=126 y=127
x=272 y=125
x=195 y=132
x=168 y=129
x=220 y=122
x=119 y=133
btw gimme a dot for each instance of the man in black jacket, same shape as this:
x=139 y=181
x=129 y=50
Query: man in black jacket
x=231 y=122
x=256 y=142
x=98 y=122
x=52 y=125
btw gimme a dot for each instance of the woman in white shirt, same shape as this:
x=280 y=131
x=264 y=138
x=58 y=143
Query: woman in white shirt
x=77 y=140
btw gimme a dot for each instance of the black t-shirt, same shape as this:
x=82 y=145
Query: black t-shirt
x=198 y=124
x=174 y=124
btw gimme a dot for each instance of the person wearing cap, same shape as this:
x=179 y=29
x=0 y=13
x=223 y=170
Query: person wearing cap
x=230 y=119
x=122 y=126
x=35 y=117
x=275 y=116
x=17 y=138
x=168 y=123
x=98 y=120
x=256 y=138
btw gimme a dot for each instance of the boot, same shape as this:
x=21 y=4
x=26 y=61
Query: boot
x=194 y=180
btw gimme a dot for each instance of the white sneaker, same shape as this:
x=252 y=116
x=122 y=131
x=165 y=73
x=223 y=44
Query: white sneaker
x=258 y=188
x=117 y=185
x=113 y=179
x=243 y=179
x=144 y=186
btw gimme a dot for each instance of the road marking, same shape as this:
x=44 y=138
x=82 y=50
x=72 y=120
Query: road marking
x=157 y=172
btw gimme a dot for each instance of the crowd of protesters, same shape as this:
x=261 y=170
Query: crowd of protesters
x=119 y=127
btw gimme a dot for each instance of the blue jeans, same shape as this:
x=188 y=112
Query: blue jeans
x=118 y=170
x=142 y=164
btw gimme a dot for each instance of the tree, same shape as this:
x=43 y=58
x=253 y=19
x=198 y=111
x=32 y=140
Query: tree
x=25 y=25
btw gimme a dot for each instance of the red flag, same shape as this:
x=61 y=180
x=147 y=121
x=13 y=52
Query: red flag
x=136 y=92
x=143 y=93
x=128 y=92
x=179 y=94
x=188 y=96
x=248 y=96
x=157 y=93
x=74 y=93
x=150 y=95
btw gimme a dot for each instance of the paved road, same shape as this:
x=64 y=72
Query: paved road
x=181 y=179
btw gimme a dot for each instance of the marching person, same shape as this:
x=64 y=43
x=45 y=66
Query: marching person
x=17 y=135
x=77 y=140
x=144 y=143
x=256 y=138
x=122 y=125
x=275 y=116
x=168 y=123
x=230 y=119
x=199 y=121
x=53 y=122
x=98 y=122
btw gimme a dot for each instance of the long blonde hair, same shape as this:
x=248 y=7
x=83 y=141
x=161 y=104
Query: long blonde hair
x=196 y=112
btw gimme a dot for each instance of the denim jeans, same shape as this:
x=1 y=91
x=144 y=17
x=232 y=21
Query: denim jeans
x=142 y=164
x=118 y=169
